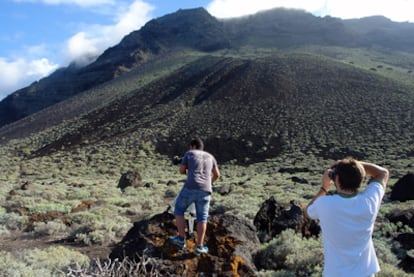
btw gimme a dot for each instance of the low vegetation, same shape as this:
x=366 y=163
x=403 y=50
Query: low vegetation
x=109 y=212
x=273 y=119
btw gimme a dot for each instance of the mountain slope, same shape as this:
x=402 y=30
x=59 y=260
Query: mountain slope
x=197 y=30
x=248 y=110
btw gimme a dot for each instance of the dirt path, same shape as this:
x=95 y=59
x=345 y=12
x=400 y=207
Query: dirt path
x=18 y=241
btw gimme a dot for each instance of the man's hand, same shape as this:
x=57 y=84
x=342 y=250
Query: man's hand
x=183 y=169
x=326 y=181
x=216 y=174
x=377 y=172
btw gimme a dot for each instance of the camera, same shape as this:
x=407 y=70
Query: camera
x=332 y=173
x=177 y=160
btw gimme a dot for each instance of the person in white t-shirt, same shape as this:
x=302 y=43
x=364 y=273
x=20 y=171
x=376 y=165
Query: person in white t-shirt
x=347 y=217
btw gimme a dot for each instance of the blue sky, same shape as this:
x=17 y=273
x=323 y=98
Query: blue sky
x=39 y=36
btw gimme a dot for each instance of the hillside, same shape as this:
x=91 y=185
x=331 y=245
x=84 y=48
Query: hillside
x=278 y=28
x=247 y=110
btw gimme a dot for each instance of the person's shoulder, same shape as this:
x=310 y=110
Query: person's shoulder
x=374 y=187
x=375 y=184
x=186 y=154
x=210 y=155
x=326 y=199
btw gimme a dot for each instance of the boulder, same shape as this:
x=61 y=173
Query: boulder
x=403 y=189
x=149 y=185
x=130 y=179
x=171 y=183
x=406 y=240
x=224 y=189
x=408 y=262
x=296 y=179
x=273 y=218
x=176 y=160
x=25 y=186
x=406 y=217
x=232 y=242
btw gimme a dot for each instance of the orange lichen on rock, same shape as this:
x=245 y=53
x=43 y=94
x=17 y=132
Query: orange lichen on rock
x=85 y=205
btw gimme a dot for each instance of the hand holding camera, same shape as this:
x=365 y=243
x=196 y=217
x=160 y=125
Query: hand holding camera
x=332 y=173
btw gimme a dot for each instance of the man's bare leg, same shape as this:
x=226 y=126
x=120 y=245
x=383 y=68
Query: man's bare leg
x=201 y=232
x=180 y=222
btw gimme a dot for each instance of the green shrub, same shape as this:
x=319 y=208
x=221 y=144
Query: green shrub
x=78 y=194
x=383 y=248
x=11 y=221
x=53 y=258
x=4 y=230
x=103 y=227
x=290 y=252
x=279 y=273
x=11 y=267
x=51 y=228
x=388 y=270
x=52 y=261
x=39 y=207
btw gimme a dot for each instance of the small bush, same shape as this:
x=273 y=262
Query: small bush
x=53 y=258
x=10 y=266
x=290 y=252
x=100 y=228
x=388 y=270
x=51 y=228
x=52 y=261
x=43 y=207
x=11 y=221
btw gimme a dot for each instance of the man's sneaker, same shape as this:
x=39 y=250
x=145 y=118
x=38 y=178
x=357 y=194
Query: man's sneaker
x=201 y=250
x=178 y=241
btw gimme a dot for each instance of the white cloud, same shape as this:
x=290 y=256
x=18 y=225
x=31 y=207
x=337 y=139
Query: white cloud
x=81 y=47
x=235 y=8
x=96 y=38
x=20 y=72
x=397 y=10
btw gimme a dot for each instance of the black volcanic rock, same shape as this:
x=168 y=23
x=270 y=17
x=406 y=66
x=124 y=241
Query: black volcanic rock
x=130 y=179
x=273 y=218
x=406 y=217
x=403 y=189
x=232 y=242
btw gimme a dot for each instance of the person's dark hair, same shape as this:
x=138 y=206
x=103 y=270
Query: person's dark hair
x=350 y=174
x=197 y=143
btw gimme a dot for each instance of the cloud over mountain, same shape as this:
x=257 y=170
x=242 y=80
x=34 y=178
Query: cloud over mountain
x=82 y=47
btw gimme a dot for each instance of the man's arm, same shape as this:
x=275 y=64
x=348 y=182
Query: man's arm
x=326 y=185
x=377 y=172
x=183 y=169
x=216 y=174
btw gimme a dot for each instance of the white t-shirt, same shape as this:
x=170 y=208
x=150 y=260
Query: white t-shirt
x=347 y=225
